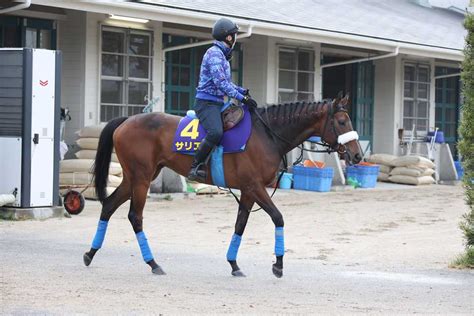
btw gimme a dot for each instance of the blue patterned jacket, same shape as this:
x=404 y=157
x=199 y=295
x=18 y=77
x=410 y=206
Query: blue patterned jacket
x=215 y=79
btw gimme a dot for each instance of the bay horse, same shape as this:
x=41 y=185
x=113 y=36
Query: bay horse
x=143 y=144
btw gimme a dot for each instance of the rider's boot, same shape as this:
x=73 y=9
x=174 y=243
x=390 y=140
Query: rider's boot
x=198 y=172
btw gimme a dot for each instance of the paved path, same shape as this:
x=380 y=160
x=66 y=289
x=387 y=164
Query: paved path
x=376 y=251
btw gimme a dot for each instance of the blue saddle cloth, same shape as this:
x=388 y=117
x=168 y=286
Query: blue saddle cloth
x=190 y=133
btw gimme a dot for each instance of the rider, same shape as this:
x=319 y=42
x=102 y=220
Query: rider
x=215 y=83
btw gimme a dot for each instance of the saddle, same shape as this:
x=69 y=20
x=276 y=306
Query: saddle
x=231 y=116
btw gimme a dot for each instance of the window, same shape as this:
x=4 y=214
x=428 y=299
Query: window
x=126 y=83
x=27 y=32
x=295 y=75
x=416 y=94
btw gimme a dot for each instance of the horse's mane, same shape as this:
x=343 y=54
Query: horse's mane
x=291 y=113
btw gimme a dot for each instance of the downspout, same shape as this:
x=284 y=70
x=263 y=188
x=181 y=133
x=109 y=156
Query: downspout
x=346 y=62
x=22 y=6
x=174 y=48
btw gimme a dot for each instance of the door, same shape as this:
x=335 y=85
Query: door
x=363 y=105
x=447 y=109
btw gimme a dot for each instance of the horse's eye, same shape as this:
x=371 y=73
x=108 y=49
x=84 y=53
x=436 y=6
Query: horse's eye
x=342 y=123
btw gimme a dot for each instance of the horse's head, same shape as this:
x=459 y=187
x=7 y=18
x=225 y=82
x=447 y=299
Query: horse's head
x=339 y=134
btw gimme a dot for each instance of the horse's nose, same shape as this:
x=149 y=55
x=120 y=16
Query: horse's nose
x=357 y=158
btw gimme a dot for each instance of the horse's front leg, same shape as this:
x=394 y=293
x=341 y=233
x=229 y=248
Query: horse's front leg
x=245 y=206
x=265 y=201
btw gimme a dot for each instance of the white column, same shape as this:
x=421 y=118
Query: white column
x=432 y=97
x=318 y=74
x=158 y=81
x=272 y=72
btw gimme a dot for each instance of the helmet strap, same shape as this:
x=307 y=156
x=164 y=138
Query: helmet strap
x=232 y=42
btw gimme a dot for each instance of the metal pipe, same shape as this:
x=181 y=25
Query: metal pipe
x=447 y=76
x=346 y=62
x=21 y=6
x=190 y=45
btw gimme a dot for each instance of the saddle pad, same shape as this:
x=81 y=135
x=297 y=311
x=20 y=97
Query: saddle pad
x=190 y=133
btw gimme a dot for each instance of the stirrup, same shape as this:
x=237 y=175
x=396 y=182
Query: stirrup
x=197 y=174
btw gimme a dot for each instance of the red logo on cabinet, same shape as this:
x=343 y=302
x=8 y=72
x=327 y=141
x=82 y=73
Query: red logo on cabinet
x=44 y=83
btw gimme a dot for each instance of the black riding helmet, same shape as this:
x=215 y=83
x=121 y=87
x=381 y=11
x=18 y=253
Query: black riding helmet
x=224 y=27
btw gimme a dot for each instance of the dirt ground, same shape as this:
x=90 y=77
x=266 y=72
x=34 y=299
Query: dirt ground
x=385 y=250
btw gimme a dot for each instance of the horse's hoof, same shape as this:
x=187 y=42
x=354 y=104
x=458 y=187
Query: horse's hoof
x=238 y=273
x=158 y=271
x=278 y=272
x=87 y=259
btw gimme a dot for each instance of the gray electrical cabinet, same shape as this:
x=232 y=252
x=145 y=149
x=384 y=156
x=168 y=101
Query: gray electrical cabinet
x=29 y=125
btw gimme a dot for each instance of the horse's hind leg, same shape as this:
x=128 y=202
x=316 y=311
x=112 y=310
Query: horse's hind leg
x=265 y=201
x=135 y=215
x=245 y=206
x=110 y=205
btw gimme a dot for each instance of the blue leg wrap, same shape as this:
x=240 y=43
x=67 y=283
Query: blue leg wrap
x=233 y=247
x=279 y=242
x=145 y=249
x=100 y=234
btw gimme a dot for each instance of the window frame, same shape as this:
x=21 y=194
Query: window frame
x=126 y=80
x=416 y=99
x=296 y=71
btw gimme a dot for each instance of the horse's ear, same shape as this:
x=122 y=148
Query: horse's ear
x=340 y=94
x=345 y=100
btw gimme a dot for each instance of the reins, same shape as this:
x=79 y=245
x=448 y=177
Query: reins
x=328 y=149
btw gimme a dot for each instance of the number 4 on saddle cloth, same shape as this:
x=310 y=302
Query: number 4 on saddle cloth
x=190 y=133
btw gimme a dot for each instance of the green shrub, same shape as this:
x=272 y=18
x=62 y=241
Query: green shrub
x=466 y=144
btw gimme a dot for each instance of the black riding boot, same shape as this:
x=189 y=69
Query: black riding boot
x=197 y=173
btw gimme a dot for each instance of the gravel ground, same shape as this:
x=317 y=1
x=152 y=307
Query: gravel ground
x=385 y=250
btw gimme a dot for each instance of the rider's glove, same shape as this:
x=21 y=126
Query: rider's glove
x=248 y=101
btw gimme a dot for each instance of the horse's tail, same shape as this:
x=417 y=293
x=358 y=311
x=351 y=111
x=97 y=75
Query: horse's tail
x=103 y=157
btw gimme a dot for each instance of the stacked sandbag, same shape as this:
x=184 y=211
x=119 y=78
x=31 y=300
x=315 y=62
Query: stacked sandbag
x=415 y=170
x=77 y=174
x=88 y=141
x=385 y=163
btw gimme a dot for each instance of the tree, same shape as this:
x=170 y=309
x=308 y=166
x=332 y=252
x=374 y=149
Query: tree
x=466 y=145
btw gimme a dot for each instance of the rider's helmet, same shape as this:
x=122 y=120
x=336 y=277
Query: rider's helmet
x=224 y=27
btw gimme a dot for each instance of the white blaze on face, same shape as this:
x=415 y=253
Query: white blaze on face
x=347 y=137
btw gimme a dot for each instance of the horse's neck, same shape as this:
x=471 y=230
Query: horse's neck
x=297 y=127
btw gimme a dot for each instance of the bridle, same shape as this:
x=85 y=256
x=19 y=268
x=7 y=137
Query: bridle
x=339 y=145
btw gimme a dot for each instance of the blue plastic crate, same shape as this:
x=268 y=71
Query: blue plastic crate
x=366 y=176
x=312 y=179
x=459 y=169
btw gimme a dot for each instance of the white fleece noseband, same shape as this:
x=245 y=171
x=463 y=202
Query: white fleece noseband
x=347 y=137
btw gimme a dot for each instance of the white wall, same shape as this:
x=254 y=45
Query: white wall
x=255 y=67
x=384 y=105
x=92 y=70
x=79 y=39
x=71 y=40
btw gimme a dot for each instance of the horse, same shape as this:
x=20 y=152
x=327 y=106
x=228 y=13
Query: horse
x=143 y=145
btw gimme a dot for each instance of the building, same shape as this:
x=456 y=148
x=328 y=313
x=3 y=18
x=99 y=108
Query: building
x=399 y=60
